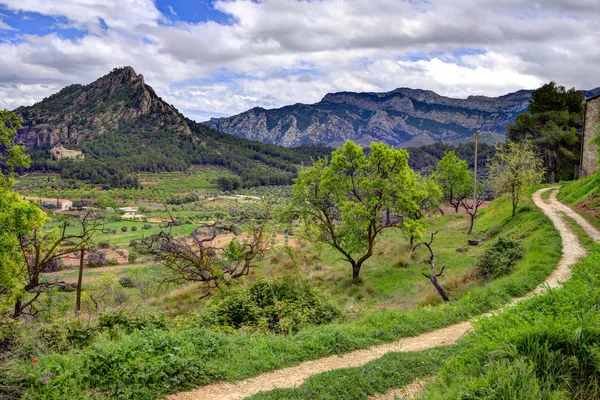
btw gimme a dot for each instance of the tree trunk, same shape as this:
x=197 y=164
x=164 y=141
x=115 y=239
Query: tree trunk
x=515 y=202
x=355 y=273
x=456 y=207
x=471 y=225
x=437 y=287
x=79 y=282
x=17 y=312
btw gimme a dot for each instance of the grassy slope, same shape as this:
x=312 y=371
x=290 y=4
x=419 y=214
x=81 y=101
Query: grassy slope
x=575 y=193
x=148 y=363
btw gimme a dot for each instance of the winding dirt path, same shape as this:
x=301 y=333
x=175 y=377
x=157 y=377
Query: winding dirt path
x=295 y=376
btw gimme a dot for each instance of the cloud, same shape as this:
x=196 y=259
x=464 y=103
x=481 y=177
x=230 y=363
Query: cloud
x=277 y=52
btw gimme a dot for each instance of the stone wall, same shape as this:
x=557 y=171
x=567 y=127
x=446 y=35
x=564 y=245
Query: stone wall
x=589 y=158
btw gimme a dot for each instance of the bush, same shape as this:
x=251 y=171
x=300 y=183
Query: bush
x=126 y=282
x=499 y=259
x=56 y=264
x=132 y=257
x=282 y=306
x=123 y=229
x=104 y=245
x=146 y=226
x=134 y=228
x=96 y=259
x=112 y=261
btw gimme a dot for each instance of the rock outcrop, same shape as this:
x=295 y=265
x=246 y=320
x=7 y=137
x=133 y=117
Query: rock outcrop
x=104 y=106
x=403 y=117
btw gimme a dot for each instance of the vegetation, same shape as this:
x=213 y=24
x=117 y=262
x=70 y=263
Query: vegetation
x=545 y=347
x=352 y=199
x=551 y=125
x=454 y=179
x=512 y=169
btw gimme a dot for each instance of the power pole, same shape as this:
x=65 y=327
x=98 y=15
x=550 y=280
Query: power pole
x=475 y=173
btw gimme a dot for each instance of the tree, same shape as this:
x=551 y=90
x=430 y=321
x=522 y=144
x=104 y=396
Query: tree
x=514 y=167
x=454 y=179
x=351 y=199
x=17 y=216
x=551 y=125
x=433 y=275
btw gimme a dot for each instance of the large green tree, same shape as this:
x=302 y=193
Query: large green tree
x=551 y=124
x=17 y=216
x=454 y=179
x=347 y=202
x=513 y=168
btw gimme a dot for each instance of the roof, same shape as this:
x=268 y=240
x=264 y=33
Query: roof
x=592 y=98
x=128 y=209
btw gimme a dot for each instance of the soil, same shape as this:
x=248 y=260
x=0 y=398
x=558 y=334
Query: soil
x=295 y=376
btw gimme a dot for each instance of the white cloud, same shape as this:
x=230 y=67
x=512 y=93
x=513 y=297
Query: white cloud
x=277 y=52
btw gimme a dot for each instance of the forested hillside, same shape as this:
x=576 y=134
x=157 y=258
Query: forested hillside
x=123 y=127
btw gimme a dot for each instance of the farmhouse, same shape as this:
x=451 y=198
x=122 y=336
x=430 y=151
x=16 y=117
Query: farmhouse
x=60 y=152
x=591 y=121
x=54 y=204
x=133 y=217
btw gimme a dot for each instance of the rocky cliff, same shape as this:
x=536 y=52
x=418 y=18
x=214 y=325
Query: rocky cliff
x=403 y=117
x=84 y=111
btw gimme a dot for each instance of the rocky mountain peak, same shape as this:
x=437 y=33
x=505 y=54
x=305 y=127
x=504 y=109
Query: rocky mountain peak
x=108 y=105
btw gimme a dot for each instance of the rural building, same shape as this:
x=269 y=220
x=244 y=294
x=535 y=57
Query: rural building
x=591 y=121
x=132 y=210
x=54 y=204
x=133 y=217
x=59 y=152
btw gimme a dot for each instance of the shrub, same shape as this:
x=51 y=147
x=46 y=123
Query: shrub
x=283 y=306
x=132 y=257
x=96 y=259
x=123 y=229
x=56 y=264
x=146 y=226
x=499 y=259
x=104 y=245
x=133 y=243
x=126 y=282
x=112 y=261
x=134 y=228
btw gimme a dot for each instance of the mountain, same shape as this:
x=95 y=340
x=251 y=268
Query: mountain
x=403 y=118
x=123 y=127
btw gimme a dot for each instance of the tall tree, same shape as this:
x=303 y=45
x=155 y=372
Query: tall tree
x=17 y=216
x=354 y=197
x=454 y=179
x=514 y=167
x=551 y=124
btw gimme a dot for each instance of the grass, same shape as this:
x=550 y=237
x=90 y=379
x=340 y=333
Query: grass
x=583 y=197
x=393 y=370
x=545 y=347
x=154 y=362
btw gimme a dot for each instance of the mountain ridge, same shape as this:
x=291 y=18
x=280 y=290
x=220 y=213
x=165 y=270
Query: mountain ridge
x=403 y=117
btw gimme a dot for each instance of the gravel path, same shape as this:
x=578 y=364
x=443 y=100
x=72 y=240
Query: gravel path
x=295 y=376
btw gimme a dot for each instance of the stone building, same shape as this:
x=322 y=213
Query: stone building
x=591 y=121
x=54 y=204
x=59 y=152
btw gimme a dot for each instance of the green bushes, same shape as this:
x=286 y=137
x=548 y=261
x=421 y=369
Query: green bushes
x=499 y=259
x=282 y=306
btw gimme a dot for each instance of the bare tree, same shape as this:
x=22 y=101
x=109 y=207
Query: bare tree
x=43 y=248
x=198 y=258
x=472 y=209
x=433 y=275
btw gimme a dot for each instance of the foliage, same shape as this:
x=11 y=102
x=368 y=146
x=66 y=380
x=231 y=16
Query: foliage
x=454 y=179
x=499 y=259
x=351 y=199
x=283 y=305
x=551 y=125
x=512 y=169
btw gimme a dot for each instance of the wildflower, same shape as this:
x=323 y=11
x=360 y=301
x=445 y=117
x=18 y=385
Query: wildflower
x=35 y=361
x=44 y=380
x=48 y=374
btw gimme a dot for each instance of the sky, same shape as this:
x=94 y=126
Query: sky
x=219 y=58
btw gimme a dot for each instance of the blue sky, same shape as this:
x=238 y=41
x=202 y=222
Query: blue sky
x=216 y=58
